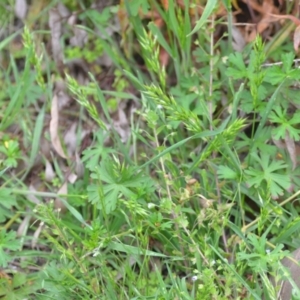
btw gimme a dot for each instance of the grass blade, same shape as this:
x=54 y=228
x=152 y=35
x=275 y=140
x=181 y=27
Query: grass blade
x=210 y=6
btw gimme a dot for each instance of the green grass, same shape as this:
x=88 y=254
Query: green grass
x=192 y=195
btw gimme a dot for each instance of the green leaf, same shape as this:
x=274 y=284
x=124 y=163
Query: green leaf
x=74 y=212
x=225 y=172
x=260 y=257
x=7 y=40
x=295 y=119
x=277 y=74
x=94 y=194
x=238 y=69
x=160 y=38
x=8 y=241
x=236 y=274
x=116 y=246
x=210 y=6
x=93 y=155
x=266 y=112
x=265 y=175
x=283 y=236
x=133 y=6
x=288 y=61
x=110 y=199
x=7 y=201
x=36 y=140
x=116 y=180
x=280 y=116
x=97 y=17
x=294 y=74
x=274 y=75
x=206 y=133
x=259 y=143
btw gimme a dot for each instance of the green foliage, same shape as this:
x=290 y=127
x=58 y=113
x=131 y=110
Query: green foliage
x=269 y=175
x=8 y=241
x=276 y=74
x=7 y=202
x=89 y=55
x=17 y=288
x=11 y=151
x=115 y=181
x=259 y=257
x=280 y=117
x=185 y=207
x=247 y=167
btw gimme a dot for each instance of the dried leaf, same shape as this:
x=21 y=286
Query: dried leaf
x=122 y=116
x=36 y=235
x=49 y=172
x=22 y=230
x=278 y=143
x=123 y=19
x=58 y=204
x=264 y=23
x=105 y=60
x=165 y=4
x=79 y=168
x=205 y=203
x=238 y=42
x=54 y=128
x=72 y=178
x=291 y=148
x=70 y=139
x=164 y=57
x=56 y=32
x=80 y=37
x=31 y=197
x=122 y=125
x=297 y=38
x=295 y=20
x=63 y=11
x=23 y=227
x=60 y=90
x=21 y=9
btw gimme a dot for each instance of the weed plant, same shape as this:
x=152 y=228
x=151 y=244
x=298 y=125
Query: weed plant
x=199 y=203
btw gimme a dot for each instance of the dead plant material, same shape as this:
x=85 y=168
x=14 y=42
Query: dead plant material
x=54 y=128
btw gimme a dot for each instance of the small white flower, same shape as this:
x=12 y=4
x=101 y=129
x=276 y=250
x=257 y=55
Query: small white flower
x=159 y=106
x=194 y=278
x=151 y=205
x=268 y=251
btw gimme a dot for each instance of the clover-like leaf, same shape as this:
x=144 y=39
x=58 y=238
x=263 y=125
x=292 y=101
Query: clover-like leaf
x=284 y=124
x=268 y=175
x=238 y=68
x=224 y=172
x=115 y=180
